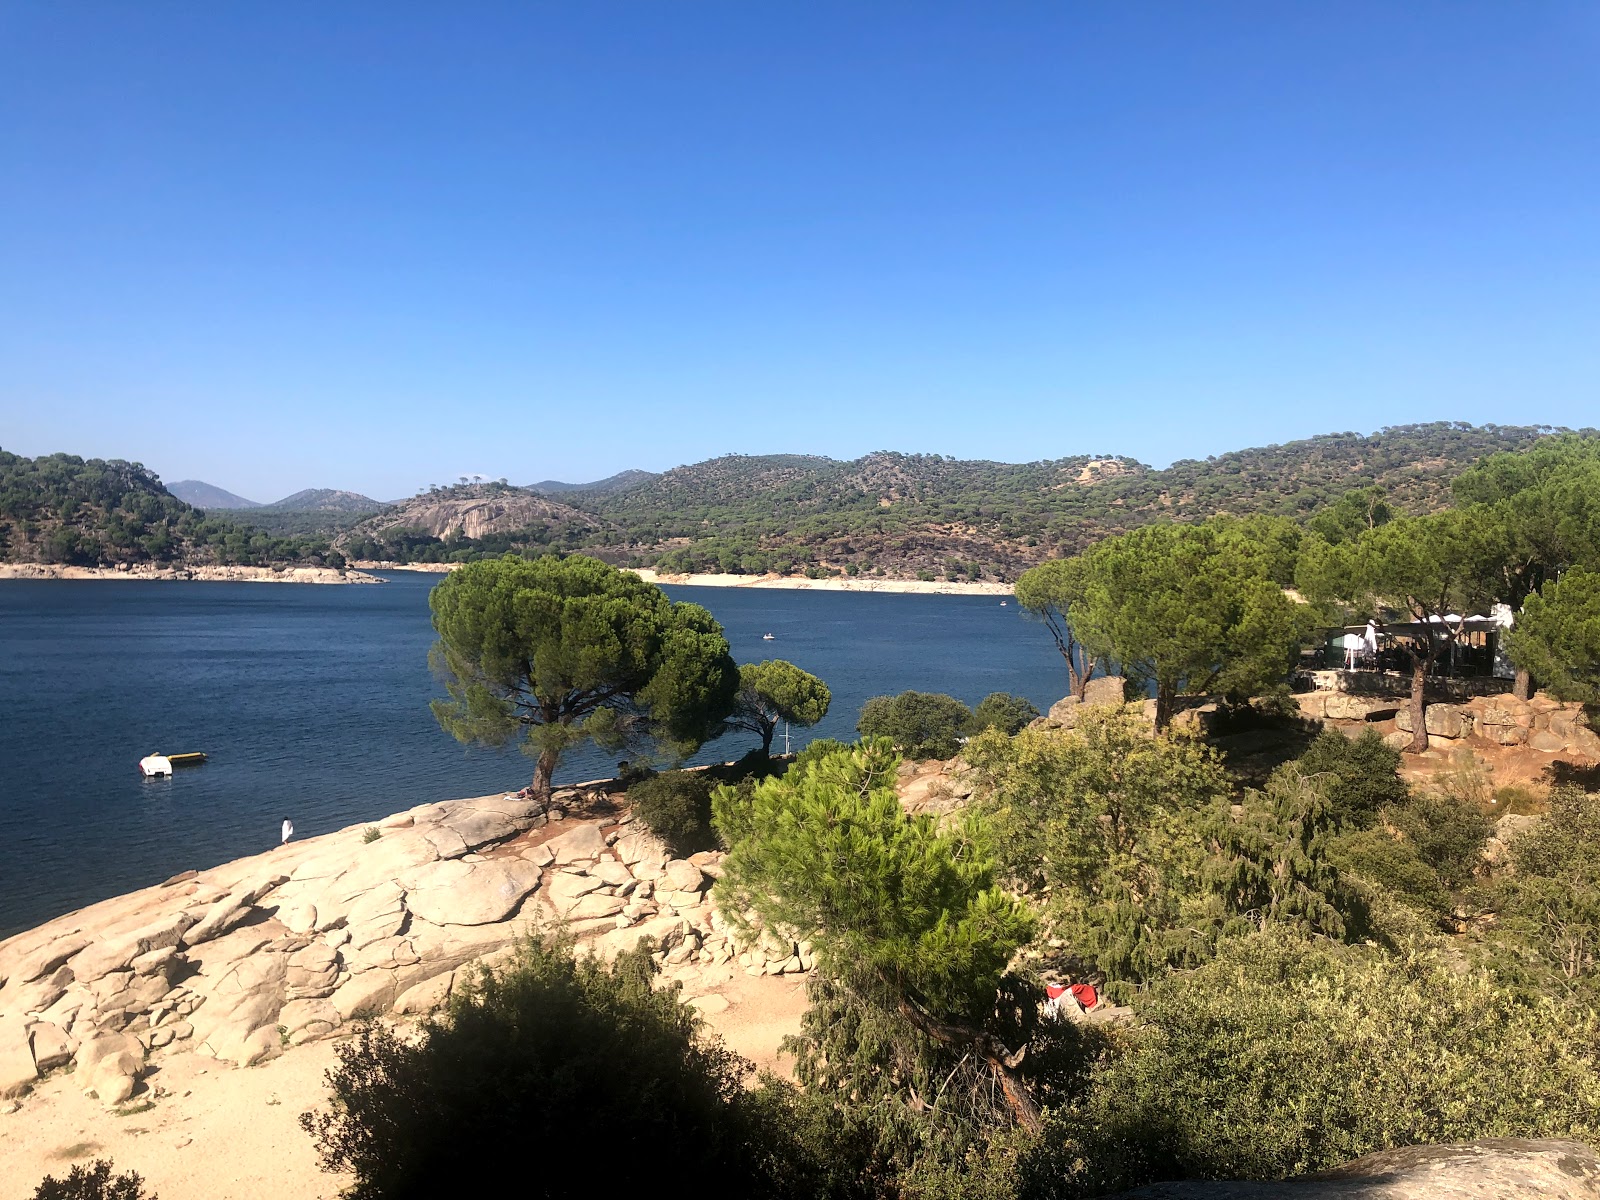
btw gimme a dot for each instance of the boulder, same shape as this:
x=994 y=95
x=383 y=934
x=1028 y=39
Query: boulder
x=1063 y=712
x=683 y=876
x=451 y=892
x=594 y=906
x=427 y=996
x=1107 y=689
x=565 y=888
x=114 y=953
x=47 y=958
x=583 y=843
x=610 y=871
x=306 y=1020
x=1491 y=1169
x=1547 y=742
x=51 y=1046
x=36 y=996
x=1342 y=707
x=1313 y=705
x=17 y=1070
x=1441 y=720
x=109 y=1066
x=313 y=972
x=1503 y=710
x=366 y=995
x=1504 y=735
x=376 y=914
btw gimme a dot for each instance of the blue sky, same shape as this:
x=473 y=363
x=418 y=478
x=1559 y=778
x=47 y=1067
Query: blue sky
x=377 y=246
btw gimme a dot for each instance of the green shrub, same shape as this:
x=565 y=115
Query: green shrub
x=815 y=752
x=921 y=725
x=1002 y=711
x=589 y=1056
x=1448 y=832
x=1283 y=1056
x=94 y=1182
x=1363 y=775
x=676 y=807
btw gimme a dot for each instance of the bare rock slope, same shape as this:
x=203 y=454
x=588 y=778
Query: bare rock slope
x=1492 y=1169
x=244 y=960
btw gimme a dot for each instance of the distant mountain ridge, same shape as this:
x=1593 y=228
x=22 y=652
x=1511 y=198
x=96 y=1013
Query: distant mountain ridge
x=886 y=513
x=208 y=495
x=924 y=514
x=326 y=500
x=621 y=481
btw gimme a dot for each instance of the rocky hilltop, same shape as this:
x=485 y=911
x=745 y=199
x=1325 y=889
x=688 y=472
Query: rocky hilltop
x=472 y=511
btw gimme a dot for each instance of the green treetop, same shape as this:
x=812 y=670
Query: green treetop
x=910 y=929
x=556 y=652
x=1557 y=636
x=1191 y=608
x=775 y=691
x=921 y=725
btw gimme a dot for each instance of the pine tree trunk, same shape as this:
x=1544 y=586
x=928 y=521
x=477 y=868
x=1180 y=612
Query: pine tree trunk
x=1522 y=686
x=1164 y=703
x=768 y=728
x=1419 y=707
x=543 y=771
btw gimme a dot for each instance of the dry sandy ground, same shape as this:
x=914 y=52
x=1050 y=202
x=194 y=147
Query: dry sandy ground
x=799 y=583
x=212 y=574
x=215 y=1133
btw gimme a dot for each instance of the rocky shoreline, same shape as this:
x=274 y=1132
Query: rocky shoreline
x=245 y=960
x=329 y=575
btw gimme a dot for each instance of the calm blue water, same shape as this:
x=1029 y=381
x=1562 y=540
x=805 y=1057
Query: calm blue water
x=313 y=704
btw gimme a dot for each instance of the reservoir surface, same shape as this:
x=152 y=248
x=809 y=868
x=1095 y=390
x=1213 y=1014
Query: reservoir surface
x=312 y=703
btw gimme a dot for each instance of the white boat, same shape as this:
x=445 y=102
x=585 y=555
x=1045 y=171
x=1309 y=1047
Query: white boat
x=766 y=637
x=153 y=765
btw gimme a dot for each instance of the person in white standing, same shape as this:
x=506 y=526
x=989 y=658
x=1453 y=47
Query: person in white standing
x=288 y=830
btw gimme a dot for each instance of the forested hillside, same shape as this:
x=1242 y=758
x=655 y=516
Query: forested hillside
x=60 y=508
x=888 y=514
x=928 y=515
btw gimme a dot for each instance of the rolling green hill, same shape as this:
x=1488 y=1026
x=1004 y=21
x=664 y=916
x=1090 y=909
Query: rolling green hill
x=926 y=514
x=60 y=508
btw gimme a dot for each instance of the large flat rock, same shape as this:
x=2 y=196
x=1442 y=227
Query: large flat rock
x=1492 y=1169
x=451 y=892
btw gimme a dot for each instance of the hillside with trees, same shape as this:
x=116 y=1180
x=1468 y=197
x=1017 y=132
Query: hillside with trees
x=60 y=508
x=926 y=515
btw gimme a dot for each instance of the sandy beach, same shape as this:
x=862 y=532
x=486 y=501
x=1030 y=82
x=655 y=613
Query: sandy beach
x=918 y=587
x=169 y=574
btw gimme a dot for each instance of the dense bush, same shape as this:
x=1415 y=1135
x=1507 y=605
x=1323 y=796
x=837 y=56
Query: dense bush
x=1284 y=1056
x=590 y=1058
x=676 y=807
x=94 y=1182
x=1549 y=904
x=815 y=752
x=921 y=725
x=1002 y=711
x=1137 y=855
x=1361 y=775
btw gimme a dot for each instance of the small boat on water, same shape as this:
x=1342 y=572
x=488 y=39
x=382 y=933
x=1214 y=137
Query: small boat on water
x=153 y=765
x=766 y=637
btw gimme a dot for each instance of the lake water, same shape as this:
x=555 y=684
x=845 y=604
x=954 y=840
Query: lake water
x=312 y=703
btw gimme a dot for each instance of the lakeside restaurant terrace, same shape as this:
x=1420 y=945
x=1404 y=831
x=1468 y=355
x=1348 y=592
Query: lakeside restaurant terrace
x=1375 y=658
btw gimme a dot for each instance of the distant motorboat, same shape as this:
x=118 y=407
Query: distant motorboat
x=153 y=765
x=1002 y=604
x=767 y=637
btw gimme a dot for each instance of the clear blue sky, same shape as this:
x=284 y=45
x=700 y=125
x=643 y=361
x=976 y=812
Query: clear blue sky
x=380 y=245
